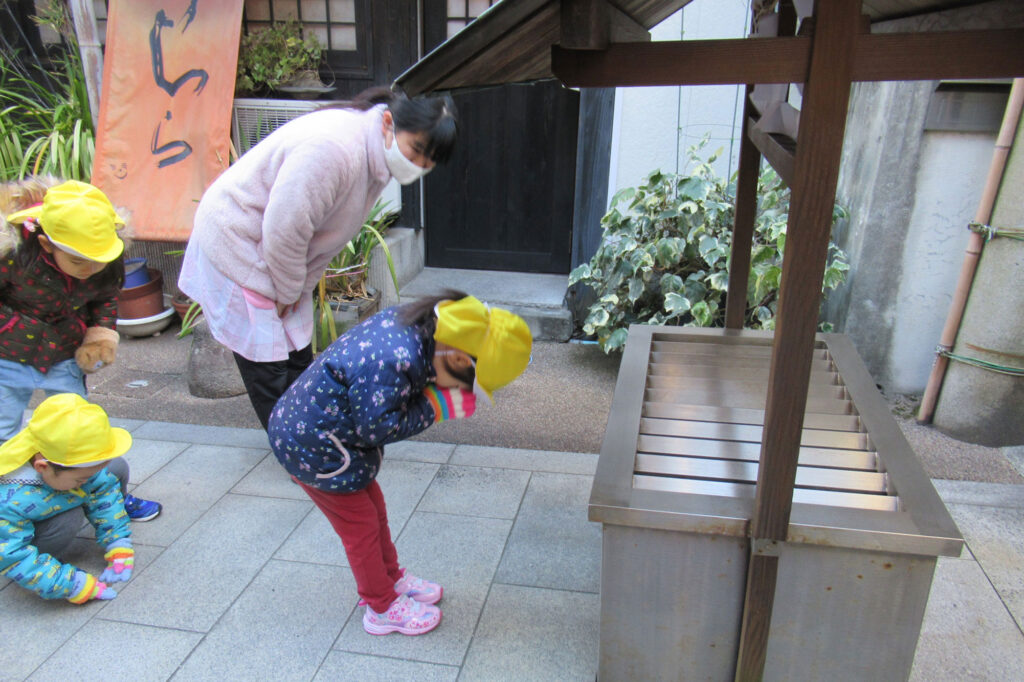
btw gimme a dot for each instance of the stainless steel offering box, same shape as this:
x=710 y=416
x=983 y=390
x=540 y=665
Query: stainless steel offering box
x=674 y=492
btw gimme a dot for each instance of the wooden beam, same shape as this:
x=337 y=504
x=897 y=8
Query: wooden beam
x=896 y=56
x=778 y=150
x=690 y=62
x=822 y=123
x=743 y=224
x=935 y=56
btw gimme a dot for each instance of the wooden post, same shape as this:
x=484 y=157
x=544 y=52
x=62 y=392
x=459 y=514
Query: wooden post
x=816 y=172
x=743 y=225
x=91 y=51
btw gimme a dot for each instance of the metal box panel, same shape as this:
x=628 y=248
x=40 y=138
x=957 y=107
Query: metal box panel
x=675 y=488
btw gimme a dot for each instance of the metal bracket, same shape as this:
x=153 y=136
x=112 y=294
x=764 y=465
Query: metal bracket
x=765 y=547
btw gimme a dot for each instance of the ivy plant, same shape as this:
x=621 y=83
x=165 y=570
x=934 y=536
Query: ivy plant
x=665 y=251
x=274 y=56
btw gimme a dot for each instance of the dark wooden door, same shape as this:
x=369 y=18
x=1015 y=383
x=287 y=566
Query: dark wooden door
x=504 y=201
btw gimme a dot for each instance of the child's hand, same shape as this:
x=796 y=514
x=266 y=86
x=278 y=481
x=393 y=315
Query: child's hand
x=450 y=403
x=120 y=562
x=88 y=588
x=98 y=348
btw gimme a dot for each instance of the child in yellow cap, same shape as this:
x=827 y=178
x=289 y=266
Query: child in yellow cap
x=51 y=472
x=383 y=381
x=61 y=269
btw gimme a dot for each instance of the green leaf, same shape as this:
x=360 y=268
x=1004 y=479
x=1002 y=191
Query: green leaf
x=636 y=290
x=676 y=304
x=719 y=280
x=615 y=341
x=670 y=282
x=580 y=272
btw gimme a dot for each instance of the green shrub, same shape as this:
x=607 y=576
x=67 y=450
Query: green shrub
x=664 y=256
x=45 y=124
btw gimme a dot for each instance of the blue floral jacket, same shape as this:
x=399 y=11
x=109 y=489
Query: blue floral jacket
x=329 y=428
x=25 y=499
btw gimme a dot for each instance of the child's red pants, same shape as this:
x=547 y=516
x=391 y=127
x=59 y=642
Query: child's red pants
x=361 y=521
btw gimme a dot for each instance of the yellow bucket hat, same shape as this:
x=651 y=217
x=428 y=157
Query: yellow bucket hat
x=499 y=340
x=66 y=430
x=78 y=219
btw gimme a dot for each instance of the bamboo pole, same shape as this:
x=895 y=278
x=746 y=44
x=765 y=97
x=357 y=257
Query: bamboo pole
x=90 y=50
x=975 y=244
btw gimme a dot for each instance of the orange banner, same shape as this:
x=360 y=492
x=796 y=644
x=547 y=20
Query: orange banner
x=165 y=108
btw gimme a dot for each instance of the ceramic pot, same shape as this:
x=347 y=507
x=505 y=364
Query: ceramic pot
x=142 y=301
x=135 y=273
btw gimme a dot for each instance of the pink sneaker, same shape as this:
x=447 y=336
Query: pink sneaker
x=419 y=589
x=405 y=615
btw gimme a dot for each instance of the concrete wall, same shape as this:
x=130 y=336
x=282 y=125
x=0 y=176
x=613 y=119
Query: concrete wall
x=978 y=405
x=910 y=195
x=654 y=127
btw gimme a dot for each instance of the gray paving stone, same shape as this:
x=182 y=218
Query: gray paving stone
x=206 y=435
x=103 y=650
x=980 y=493
x=552 y=543
x=475 y=491
x=530 y=460
x=189 y=485
x=269 y=479
x=527 y=633
x=148 y=456
x=282 y=626
x=198 y=577
x=313 y=541
x=32 y=629
x=967 y=633
x=404 y=484
x=419 y=451
x=993 y=534
x=345 y=666
x=461 y=553
x=127 y=424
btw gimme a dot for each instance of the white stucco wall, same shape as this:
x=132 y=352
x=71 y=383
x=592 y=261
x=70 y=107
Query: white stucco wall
x=952 y=172
x=654 y=127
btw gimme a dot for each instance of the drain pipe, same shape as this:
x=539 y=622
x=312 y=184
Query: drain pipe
x=975 y=243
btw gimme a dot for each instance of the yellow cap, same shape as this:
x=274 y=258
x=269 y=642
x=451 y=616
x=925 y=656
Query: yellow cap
x=78 y=219
x=66 y=430
x=499 y=340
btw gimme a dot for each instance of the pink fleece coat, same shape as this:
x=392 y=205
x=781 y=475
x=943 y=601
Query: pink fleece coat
x=273 y=221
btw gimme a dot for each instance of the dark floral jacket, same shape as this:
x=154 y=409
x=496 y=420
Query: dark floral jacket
x=44 y=313
x=364 y=391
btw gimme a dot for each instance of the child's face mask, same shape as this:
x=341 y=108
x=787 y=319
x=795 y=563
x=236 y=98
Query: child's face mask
x=402 y=169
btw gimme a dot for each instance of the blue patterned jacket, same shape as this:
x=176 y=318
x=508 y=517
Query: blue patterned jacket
x=365 y=390
x=25 y=499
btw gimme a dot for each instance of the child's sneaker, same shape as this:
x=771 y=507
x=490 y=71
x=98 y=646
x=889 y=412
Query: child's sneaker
x=405 y=615
x=141 y=510
x=419 y=589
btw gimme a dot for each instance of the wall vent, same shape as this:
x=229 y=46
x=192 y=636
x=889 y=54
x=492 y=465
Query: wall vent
x=254 y=119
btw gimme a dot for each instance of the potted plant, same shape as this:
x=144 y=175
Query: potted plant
x=279 y=59
x=343 y=296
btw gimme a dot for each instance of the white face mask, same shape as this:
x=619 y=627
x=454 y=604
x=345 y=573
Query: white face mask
x=402 y=169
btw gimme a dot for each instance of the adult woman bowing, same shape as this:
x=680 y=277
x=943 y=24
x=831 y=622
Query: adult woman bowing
x=266 y=229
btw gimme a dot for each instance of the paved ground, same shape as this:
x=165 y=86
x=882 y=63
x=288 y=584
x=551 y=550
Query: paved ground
x=242 y=578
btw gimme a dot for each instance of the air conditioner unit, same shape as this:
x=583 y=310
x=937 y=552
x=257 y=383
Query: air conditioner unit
x=254 y=119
